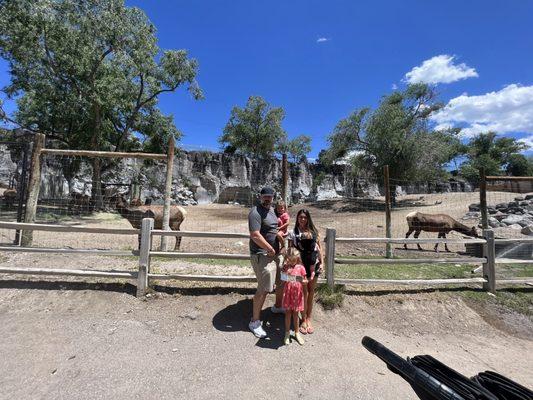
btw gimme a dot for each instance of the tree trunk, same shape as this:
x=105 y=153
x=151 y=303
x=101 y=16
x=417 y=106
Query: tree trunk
x=96 y=193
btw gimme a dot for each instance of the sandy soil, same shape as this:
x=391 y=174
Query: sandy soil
x=69 y=340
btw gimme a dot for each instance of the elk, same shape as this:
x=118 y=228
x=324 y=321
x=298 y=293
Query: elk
x=79 y=202
x=135 y=215
x=136 y=202
x=441 y=223
x=9 y=197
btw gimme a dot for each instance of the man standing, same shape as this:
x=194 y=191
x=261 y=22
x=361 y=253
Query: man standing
x=265 y=257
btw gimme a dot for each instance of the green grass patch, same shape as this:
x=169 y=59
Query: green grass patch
x=403 y=271
x=330 y=298
x=520 y=301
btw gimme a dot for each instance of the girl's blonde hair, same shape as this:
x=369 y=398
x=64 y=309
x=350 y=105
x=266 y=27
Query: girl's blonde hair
x=293 y=257
x=281 y=203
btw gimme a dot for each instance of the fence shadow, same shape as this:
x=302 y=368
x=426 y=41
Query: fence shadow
x=357 y=205
x=457 y=289
x=68 y=285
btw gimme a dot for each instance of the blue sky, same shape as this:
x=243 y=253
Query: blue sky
x=272 y=49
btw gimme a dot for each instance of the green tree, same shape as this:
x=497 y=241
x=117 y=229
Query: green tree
x=397 y=134
x=254 y=130
x=519 y=165
x=296 y=148
x=492 y=153
x=88 y=73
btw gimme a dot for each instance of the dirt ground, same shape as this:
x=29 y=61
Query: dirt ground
x=67 y=340
x=63 y=338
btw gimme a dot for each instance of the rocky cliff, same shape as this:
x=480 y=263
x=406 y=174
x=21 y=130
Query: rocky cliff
x=207 y=177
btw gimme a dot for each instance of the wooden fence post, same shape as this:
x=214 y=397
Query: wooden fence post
x=330 y=256
x=168 y=189
x=33 y=188
x=144 y=255
x=489 y=267
x=483 y=199
x=284 y=178
x=388 y=223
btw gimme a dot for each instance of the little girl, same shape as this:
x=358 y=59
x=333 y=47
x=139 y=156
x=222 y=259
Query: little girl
x=293 y=295
x=283 y=222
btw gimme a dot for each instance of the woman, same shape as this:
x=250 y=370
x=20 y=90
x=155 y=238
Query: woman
x=306 y=239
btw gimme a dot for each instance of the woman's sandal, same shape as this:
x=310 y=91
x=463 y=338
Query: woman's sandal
x=303 y=329
x=310 y=330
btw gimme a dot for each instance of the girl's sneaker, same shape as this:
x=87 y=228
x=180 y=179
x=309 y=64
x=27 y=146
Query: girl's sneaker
x=287 y=339
x=299 y=338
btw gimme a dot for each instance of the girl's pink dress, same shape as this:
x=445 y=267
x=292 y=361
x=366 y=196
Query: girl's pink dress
x=293 y=294
x=282 y=219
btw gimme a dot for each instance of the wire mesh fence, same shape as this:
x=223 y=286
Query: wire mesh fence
x=14 y=158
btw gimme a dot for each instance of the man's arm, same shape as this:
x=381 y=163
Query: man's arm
x=261 y=242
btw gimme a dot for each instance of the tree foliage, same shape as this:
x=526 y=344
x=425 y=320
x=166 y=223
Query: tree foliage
x=397 y=134
x=497 y=155
x=254 y=130
x=88 y=73
x=296 y=148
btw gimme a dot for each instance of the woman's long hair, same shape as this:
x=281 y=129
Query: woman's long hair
x=310 y=224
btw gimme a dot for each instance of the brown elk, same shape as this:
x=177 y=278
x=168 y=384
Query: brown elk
x=441 y=223
x=136 y=202
x=79 y=202
x=135 y=216
x=9 y=197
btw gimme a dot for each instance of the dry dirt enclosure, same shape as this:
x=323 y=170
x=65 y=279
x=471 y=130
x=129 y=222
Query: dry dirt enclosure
x=79 y=339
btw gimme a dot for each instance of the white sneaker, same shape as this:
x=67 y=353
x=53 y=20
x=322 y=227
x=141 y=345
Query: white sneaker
x=277 y=310
x=257 y=329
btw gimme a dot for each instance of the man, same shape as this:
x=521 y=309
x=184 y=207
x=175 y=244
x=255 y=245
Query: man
x=265 y=257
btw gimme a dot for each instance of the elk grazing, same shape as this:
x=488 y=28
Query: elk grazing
x=441 y=223
x=135 y=216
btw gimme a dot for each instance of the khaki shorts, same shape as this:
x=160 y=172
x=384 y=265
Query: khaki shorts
x=267 y=271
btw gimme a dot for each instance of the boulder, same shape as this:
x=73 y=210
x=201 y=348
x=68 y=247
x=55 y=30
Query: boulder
x=529 y=197
x=512 y=219
x=527 y=230
x=515 y=226
x=493 y=222
x=474 y=207
x=519 y=198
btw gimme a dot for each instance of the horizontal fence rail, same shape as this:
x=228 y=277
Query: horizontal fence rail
x=67 y=228
x=464 y=260
x=408 y=241
x=144 y=275
x=223 y=235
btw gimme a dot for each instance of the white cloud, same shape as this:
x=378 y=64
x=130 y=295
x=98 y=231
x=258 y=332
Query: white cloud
x=322 y=40
x=528 y=141
x=394 y=86
x=505 y=111
x=440 y=69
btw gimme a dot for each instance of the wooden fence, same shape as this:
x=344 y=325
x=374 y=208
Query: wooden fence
x=144 y=274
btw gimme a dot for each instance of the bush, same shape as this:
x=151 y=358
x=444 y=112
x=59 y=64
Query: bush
x=330 y=298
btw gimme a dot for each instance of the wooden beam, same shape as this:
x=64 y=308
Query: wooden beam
x=354 y=261
x=66 y=228
x=67 y=251
x=512 y=261
x=157 y=232
x=330 y=256
x=103 y=154
x=402 y=240
x=412 y=282
x=515 y=281
x=168 y=189
x=489 y=266
x=144 y=255
x=388 y=220
x=219 y=256
x=207 y=278
x=517 y=240
x=483 y=199
x=509 y=178
x=69 y=272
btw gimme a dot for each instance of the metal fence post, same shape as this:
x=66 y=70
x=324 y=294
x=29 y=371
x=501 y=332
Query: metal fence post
x=330 y=256
x=489 y=267
x=144 y=255
x=388 y=220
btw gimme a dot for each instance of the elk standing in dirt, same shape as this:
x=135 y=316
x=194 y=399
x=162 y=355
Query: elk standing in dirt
x=135 y=216
x=441 y=223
